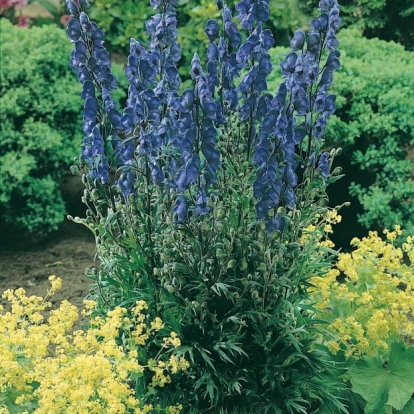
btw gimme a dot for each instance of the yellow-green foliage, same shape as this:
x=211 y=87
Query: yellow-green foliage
x=368 y=296
x=45 y=368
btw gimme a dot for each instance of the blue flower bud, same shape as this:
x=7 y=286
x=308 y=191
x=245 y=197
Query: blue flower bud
x=196 y=70
x=74 y=29
x=72 y=7
x=180 y=210
x=126 y=183
x=298 y=40
x=313 y=44
x=212 y=30
x=323 y=164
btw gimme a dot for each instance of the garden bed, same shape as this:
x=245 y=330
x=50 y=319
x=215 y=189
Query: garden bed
x=66 y=253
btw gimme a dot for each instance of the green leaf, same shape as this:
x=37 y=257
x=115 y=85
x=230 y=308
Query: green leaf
x=408 y=408
x=382 y=381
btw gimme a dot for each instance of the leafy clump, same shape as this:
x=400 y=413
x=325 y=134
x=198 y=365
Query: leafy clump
x=367 y=301
x=385 y=382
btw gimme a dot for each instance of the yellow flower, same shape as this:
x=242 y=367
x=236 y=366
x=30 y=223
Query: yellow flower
x=371 y=306
x=157 y=324
x=84 y=372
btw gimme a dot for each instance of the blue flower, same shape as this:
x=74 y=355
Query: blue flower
x=196 y=70
x=72 y=7
x=313 y=44
x=74 y=30
x=320 y=125
x=201 y=206
x=212 y=30
x=298 y=40
x=100 y=169
x=90 y=114
x=332 y=63
x=88 y=89
x=124 y=152
x=320 y=24
x=276 y=223
x=231 y=30
x=180 y=210
x=126 y=183
x=288 y=65
x=252 y=11
x=188 y=173
x=323 y=164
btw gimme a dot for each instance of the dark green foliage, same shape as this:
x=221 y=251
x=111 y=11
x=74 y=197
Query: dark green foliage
x=235 y=296
x=40 y=124
x=385 y=19
x=374 y=124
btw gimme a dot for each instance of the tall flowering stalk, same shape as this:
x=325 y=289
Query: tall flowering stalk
x=198 y=197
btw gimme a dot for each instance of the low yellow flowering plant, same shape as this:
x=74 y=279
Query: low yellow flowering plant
x=45 y=367
x=367 y=301
x=368 y=296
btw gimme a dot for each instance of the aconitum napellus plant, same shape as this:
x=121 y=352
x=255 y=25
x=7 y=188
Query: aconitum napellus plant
x=198 y=198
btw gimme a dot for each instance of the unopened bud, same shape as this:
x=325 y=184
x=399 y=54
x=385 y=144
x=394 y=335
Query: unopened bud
x=337 y=171
x=232 y=264
x=220 y=226
x=219 y=253
x=95 y=194
x=205 y=227
x=74 y=170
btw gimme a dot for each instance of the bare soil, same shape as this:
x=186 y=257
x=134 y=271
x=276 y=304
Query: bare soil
x=65 y=253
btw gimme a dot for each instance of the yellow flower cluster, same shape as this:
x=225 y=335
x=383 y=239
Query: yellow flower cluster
x=373 y=302
x=319 y=231
x=45 y=368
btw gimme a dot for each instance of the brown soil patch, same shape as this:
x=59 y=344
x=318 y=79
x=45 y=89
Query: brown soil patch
x=65 y=253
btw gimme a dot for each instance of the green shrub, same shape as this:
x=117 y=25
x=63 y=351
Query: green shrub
x=40 y=125
x=374 y=126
